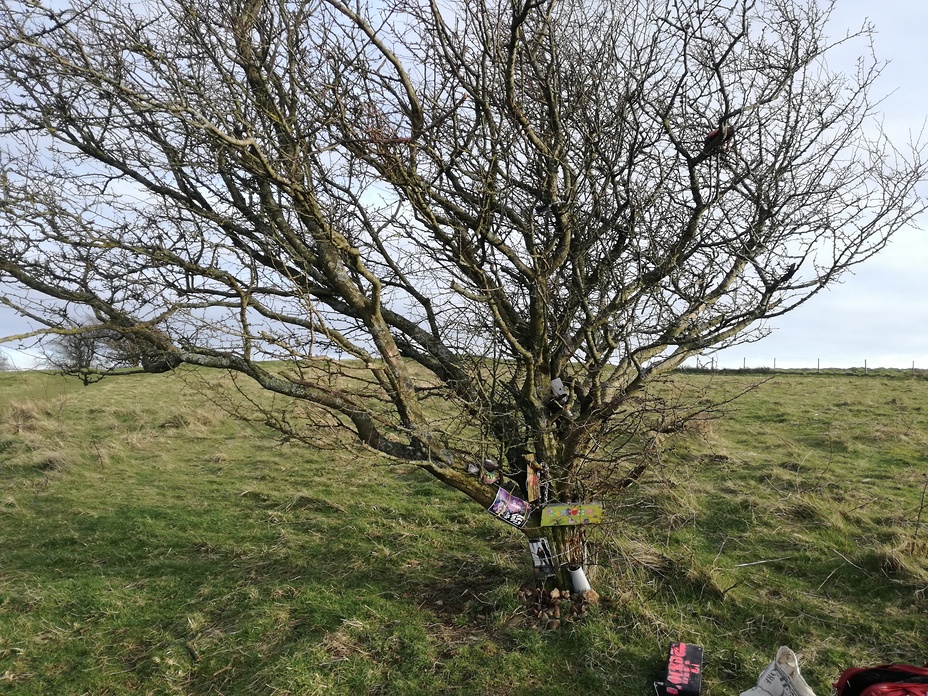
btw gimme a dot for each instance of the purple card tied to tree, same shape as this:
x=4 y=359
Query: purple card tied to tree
x=509 y=508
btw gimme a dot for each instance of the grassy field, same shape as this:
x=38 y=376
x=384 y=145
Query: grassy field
x=151 y=545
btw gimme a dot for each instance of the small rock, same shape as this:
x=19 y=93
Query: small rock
x=591 y=596
x=555 y=593
x=554 y=624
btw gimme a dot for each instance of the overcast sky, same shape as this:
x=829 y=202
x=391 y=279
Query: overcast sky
x=879 y=314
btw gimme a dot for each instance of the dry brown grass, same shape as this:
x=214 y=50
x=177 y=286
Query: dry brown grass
x=905 y=564
x=28 y=416
x=51 y=460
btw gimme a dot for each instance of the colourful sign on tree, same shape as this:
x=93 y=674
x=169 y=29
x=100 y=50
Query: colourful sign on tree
x=561 y=514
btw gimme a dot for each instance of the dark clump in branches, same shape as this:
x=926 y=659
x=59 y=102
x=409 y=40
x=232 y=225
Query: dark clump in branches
x=471 y=231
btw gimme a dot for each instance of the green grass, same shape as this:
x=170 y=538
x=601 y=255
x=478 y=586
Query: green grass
x=151 y=544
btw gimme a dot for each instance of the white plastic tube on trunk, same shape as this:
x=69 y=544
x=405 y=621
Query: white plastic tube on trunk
x=578 y=580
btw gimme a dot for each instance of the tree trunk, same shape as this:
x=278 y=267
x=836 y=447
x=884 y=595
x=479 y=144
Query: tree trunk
x=568 y=544
x=568 y=550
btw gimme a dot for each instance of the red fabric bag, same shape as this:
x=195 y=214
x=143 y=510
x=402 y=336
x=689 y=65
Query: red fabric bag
x=884 y=680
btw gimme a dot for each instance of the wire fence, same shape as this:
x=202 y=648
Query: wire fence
x=712 y=364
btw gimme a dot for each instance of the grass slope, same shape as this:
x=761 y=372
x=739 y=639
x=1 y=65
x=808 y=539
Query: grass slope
x=151 y=545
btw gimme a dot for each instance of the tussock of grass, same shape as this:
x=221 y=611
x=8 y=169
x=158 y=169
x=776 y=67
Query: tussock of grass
x=27 y=416
x=811 y=510
x=906 y=562
x=193 y=419
x=638 y=554
x=9 y=504
x=50 y=460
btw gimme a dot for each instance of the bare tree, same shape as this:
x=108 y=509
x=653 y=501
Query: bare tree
x=76 y=353
x=91 y=352
x=6 y=365
x=475 y=233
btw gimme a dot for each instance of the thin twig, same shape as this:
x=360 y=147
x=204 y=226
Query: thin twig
x=769 y=560
x=918 y=519
x=829 y=576
x=848 y=560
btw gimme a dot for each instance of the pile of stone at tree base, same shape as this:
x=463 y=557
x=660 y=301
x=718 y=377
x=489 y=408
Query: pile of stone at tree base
x=550 y=608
